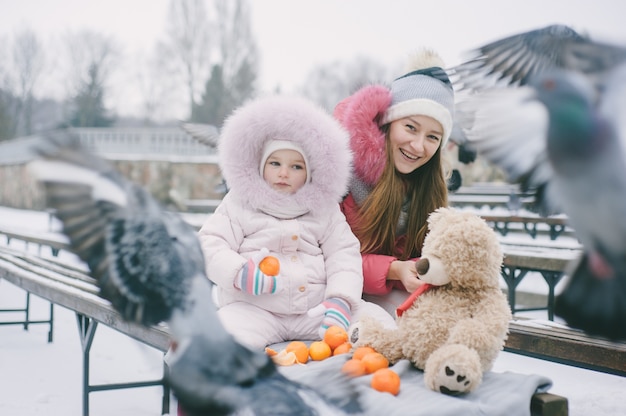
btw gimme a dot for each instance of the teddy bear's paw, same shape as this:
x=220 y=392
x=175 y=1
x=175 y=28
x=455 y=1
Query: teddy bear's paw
x=353 y=332
x=453 y=382
x=453 y=370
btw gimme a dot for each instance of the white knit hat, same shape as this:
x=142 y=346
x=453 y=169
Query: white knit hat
x=274 y=145
x=425 y=91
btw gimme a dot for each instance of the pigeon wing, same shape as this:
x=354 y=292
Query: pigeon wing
x=132 y=250
x=508 y=127
x=206 y=134
x=516 y=59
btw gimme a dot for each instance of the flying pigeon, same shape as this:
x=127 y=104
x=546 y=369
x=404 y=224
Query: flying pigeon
x=555 y=121
x=206 y=134
x=148 y=263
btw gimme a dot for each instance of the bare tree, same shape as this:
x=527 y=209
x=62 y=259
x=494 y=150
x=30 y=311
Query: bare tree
x=92 y=59
x=234 y=74
x=187 y=49
x=29 y=62
x=238 y=50
x=158 y=89
x=6 y=122
x=327 y=84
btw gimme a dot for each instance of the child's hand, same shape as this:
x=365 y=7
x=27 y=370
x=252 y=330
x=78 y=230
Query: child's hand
x=252 y=280
x=336 y=311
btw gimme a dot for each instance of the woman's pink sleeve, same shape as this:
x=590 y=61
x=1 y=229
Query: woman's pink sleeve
x=375 y=270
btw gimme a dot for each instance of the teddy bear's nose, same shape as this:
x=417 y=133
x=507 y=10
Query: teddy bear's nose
x=422 y=266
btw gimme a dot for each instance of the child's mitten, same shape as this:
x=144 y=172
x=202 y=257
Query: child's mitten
x=252 y=280
x=336 y=312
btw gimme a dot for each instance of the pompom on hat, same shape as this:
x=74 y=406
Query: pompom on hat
x=274 y=145
x=425 y=90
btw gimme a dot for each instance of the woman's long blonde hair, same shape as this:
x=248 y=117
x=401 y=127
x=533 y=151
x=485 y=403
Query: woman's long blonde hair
x=426 y=191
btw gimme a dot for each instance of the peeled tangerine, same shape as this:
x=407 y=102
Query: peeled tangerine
x=284 y=358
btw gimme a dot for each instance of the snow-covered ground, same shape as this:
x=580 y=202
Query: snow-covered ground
x=41 y=378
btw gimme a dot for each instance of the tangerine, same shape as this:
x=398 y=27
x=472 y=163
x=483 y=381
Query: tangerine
x=284 y=358
x=319 y=350
x=374 y=361
x=335 y=336
x=360 y=352
x=386 y=380
x=300 y=349
x=270 y=352
x=342 y=349
x=270 y=266
x=353 y=368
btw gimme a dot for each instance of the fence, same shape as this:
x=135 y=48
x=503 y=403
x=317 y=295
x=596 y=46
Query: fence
x=123 y=143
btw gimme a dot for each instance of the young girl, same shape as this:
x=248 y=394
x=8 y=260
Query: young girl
x=397 y=136
x=287 y=164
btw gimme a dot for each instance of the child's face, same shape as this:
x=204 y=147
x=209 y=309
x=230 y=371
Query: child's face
x=414 y=141
x=285 y=171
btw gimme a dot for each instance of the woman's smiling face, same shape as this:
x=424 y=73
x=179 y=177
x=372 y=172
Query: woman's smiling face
x=414 y=141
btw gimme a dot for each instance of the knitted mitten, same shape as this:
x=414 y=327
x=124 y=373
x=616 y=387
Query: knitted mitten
x=252 y=280
x=336 y=312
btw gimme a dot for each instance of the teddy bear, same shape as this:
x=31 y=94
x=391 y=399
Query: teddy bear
x=454 y=326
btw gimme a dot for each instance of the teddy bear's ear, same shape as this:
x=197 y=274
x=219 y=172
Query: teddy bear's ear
x=436 y=216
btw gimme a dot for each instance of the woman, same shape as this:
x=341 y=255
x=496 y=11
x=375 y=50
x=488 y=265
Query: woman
x=397 y=136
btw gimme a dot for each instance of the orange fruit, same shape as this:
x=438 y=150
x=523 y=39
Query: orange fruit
x=374 y=361
x=386 y=380
x=270 y=352
x=335 y=336
x=284 y=358
x=300 y=349
x=270 y=266
x=353 y=368
x=319 y=350
x=360 y=352
x=342 y=349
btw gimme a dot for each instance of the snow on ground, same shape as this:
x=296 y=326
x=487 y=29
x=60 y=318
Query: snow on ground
x=41 y=378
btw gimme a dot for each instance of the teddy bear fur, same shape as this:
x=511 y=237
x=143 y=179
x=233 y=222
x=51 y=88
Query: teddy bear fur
x=455 y=330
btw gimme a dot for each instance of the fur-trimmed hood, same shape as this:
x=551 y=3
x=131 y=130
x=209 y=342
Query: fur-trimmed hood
x=360 y=114
x=324 y=141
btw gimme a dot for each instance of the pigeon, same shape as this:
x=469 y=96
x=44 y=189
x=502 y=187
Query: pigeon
x=515 y=59
x=205 y=134
x=148 y=263
x=555 y=122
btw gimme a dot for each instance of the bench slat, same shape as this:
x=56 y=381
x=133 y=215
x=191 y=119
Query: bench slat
x=567 y=346
x=52 y=287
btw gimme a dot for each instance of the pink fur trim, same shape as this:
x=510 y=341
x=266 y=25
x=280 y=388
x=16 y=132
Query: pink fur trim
x=360 y=114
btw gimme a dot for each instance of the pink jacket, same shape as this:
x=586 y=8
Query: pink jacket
x=359 y=114
x=306 y=231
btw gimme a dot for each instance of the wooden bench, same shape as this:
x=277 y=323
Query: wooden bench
x=550 y=260
x=491 y=188
x=201 y=205
x=491 y=201
x=71 y=287
x=505 y=223
x=553 y=342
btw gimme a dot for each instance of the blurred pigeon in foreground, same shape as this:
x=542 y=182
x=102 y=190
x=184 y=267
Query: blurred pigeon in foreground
x=514 y=60
x=206 y=134
x=149 y=264
x=563 y=133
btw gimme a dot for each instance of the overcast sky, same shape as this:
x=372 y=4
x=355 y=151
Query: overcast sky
x=295 y=35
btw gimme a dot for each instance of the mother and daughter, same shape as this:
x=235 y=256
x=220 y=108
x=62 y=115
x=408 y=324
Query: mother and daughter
x=341 y=202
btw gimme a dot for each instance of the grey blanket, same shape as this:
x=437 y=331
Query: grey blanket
x=499 y=394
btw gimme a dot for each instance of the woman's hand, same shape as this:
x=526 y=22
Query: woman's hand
x=405 y=272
